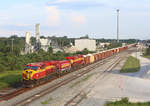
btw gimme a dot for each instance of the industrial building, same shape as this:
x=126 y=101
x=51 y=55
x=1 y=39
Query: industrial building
x=45 y=43
x=39 y=44
x=81 y=44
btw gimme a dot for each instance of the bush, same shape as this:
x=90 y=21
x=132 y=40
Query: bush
x=125 y=100
x=147 y=51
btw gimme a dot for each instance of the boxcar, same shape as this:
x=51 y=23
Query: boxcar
x=92 y=59
x=86 y=59
x=96 y=57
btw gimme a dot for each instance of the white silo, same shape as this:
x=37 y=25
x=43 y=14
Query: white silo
x=28 y=38
x=37 y=32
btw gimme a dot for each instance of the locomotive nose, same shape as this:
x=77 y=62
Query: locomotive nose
x=28 y=74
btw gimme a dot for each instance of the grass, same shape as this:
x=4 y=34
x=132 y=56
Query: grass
x=10 y=79
x=47 y=101
x=84 y=79
x=125 y=102
x=132 y=64
x=146 y=56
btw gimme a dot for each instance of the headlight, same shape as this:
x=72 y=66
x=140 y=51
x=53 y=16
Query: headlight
x=28 y=71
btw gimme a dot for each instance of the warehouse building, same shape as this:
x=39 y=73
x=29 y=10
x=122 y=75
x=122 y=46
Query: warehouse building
x=81 y=44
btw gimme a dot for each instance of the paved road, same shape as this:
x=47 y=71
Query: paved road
x=115 y=86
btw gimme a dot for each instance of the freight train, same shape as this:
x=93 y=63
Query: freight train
x=34 y=73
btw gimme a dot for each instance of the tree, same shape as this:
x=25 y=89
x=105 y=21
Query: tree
x=147 y=51
x=50 y=50
x=85 y=51
x=85 y=37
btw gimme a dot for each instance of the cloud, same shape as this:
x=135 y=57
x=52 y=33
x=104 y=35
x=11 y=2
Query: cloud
x=53 y=15
x=78 y=19
x=75 y=4
x=62 y=1
x=7 y=33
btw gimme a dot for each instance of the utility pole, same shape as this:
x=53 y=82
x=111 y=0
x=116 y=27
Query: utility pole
x=12 y=44
x=118 y=25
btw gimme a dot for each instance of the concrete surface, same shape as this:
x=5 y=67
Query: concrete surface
x=114 y=86
x=110 y=86
x=65 y=93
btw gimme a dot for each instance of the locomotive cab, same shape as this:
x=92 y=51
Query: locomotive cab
x=34 y=73
x=29 y=71
x=28 y=74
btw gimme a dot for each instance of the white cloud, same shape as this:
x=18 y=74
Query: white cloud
x=78 y=19
x=53 y=15
x=64 y=1
x=7 y=33
x=23 y=25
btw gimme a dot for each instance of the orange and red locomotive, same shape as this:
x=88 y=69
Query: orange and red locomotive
x=35 y=72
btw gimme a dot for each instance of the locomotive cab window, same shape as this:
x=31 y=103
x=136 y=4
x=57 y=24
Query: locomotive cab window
x=27 y=67
x=34 y=68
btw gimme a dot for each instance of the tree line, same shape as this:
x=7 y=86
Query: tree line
x=11 y=47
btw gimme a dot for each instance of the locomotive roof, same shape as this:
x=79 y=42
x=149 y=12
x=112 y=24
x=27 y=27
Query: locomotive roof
x=38 y=64
x=74 y=57
x=64 y=61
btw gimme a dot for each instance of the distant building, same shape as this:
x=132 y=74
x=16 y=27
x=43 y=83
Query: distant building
x=81 y=44
x=44 y=44
x=102 y=45
x=71 y=49
x=123 y=44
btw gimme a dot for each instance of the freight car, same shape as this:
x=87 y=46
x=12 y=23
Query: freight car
x=34 y=73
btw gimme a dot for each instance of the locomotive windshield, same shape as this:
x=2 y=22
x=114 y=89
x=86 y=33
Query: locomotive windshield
x=34 y=68
x=27 y=67
x=31 y=67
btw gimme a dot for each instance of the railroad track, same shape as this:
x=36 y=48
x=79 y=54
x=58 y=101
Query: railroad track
x=82 y=94
x=50 y=89
x=22 y=90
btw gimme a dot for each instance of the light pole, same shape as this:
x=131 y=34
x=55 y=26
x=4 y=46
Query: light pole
x=118 y=25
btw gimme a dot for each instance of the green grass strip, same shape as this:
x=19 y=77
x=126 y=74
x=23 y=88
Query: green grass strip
x=146 y=56
x=125 y=102
x=132 y=64
x=10 y=78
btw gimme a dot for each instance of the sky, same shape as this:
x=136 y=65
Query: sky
x=75 y=18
